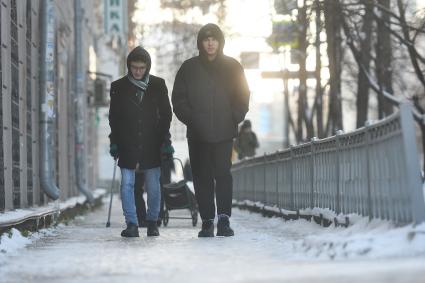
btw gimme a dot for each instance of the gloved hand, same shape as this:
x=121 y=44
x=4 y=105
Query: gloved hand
x=113 y=151
x=167 y=151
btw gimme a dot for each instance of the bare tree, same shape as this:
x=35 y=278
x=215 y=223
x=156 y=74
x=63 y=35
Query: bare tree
x=302 y=55
x=332 y=14
x=383 y=61
x=319 y=90
x=365 y=38
x=392 y=25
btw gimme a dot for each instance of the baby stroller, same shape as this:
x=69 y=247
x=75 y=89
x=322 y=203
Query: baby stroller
x=177 y=195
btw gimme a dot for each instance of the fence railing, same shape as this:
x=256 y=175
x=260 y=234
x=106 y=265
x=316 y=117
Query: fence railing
x=373 y=171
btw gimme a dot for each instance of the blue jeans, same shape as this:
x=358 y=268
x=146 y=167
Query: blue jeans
x=152 y=188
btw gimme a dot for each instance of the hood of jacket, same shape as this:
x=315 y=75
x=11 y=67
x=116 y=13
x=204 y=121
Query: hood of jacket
x=139 y=54
x=206 y=31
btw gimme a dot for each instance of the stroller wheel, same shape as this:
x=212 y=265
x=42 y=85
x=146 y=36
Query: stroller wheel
x=166 y=218
x=194 y=217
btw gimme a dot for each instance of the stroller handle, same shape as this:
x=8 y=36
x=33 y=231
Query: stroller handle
x=181 y=164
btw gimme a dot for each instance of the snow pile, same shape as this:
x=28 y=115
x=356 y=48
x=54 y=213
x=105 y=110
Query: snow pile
x=12 y=241
x=363 y=239
x=376 y=239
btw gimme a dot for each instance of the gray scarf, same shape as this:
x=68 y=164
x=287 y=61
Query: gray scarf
x=141 y=85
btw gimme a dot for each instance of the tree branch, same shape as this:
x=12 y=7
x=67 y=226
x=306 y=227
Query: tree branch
x=373 y=84
x=418 y=105
x=403 y=40
x=412 y=51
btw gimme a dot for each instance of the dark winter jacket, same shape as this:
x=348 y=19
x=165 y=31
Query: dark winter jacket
x=210 y=98
x=139 y=128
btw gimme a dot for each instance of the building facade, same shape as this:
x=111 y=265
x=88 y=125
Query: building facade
x=22 y=108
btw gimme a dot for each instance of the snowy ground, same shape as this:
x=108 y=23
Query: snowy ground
x=263 y=250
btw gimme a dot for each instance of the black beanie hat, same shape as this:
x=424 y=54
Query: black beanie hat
x=210 y=30
x=139 y=54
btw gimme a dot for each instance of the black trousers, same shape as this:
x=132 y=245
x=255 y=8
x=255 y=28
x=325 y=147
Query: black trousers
x=211 y=163
x=138 y=196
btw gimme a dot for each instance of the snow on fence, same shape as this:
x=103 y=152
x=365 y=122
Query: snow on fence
x=373 y=171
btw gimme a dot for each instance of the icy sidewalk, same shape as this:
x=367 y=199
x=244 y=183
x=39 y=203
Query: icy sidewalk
x=263 y=250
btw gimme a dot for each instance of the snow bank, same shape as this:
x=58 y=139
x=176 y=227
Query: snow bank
x=363 y=239
x=12 y=241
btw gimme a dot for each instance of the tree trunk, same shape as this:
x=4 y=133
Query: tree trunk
x=333 y=16
x=319 y=90
x=302 y=90
x=383 y=61
x=365 y=57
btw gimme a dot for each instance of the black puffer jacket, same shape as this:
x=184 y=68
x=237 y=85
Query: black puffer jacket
x=211 y=98
x=139 y=128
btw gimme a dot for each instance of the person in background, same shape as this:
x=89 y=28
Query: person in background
x=246 y=142
x=211 y=97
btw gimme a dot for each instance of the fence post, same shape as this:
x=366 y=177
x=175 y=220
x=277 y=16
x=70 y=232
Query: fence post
x=277 y=184
x=254 y=184
x=369 y=185
x=338 y=168
x=313 y=151
x=264 y=180
x=291 y=147
x=413 y=182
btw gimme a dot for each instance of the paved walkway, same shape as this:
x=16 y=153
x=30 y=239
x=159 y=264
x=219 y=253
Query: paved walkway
x=86 y=251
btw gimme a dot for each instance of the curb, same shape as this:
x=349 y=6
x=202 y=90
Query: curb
x=50 y=216
x=293 y=215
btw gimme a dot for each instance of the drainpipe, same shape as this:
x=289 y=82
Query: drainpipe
x=47 y=83
x=80 y=105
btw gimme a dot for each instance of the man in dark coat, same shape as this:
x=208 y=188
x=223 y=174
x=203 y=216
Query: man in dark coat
x=139 y=117
x=211 y=97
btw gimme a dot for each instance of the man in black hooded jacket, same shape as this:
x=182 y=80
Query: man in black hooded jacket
x=139 y=117
x=211 y=96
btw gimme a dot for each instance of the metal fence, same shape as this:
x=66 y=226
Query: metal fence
x=373 y=171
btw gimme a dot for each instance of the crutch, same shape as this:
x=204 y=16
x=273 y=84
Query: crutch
x=108 y=223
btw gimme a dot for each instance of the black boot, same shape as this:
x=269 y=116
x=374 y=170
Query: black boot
x=223 y=227
x=131 y=231
x=152 y=229
x=207 y=229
